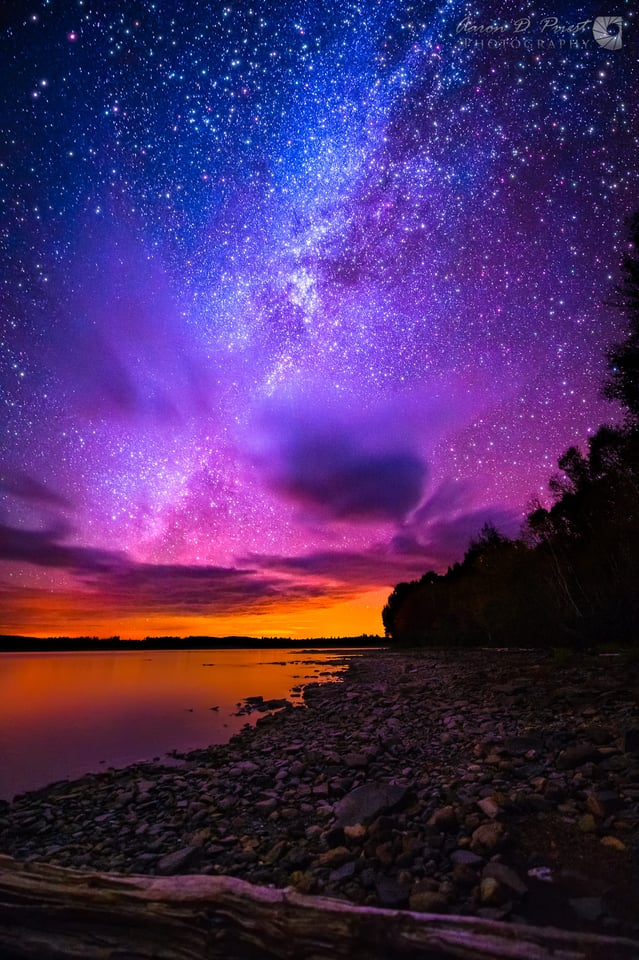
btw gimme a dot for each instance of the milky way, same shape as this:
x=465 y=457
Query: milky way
x=295 y=296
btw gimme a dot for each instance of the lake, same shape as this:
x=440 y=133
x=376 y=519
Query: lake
x=67 y=714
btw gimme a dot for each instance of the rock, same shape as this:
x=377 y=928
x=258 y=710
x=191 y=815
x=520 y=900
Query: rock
x=355 y=831
x=575 y=755
x=275 y=852
x=466 y=858
x=542 y=873
x=487 y=838
x=631 y=741
x=356 y=761
x=599 y=735
x=275 y=704
x=602 y=803
x=342 y=873
x=411 y=843
x=614 y=842
x=391 y=894
x=382 y=828
x=244 y=766
x=488 y=806
x=464 y=876
x=297 y=858
x=178 y=860
x=335 y=857
x=506 y=877
x=334 y=837
x=443 y=819
x=384 y=853
x=587 y=823
x=368 y=801
x=428 y=901
x=491 y=893
x=519 y=746
x=264 y=807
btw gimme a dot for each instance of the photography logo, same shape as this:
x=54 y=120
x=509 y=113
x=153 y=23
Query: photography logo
x=607 y=32
x=547 y=34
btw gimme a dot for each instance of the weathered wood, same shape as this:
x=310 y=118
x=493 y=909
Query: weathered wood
x=50 y=913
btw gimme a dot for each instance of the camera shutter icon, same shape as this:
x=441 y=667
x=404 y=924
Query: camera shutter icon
x=600 y=31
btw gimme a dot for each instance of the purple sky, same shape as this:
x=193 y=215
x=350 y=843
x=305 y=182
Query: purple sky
x=294 y=299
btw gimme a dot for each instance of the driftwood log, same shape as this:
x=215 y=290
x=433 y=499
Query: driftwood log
x=50 y=913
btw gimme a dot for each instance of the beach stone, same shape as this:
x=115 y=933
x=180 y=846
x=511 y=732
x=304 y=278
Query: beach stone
x=428 y=901
x=575 y=755
x=466 y=858
x=614 y=842
x=506 y=877
x=519 y=746
x=275 y=852
x=356 y=760
x=488 y=806
x=487 y=838
x=334 y=837
x=244 y=766
x=335 y=857
x=368 y=801
x=443 y=819
x=384 y=853
x=631 y=741
x=342 y=873
x=178 y=860
x=275 y=704
x=264 y=807
x=490 y=892
x=355 y=831
x=602 y=803
x=587 y=823
x=391 y=894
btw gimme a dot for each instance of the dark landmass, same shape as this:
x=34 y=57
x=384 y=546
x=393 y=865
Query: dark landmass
x=18 y=644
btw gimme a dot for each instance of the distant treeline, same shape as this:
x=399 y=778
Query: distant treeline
x=17 y=644
x=572 y=577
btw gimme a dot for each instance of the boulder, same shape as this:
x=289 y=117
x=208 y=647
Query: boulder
x=428 y=901
x=506 y=877
x=487 y=838
x=368 y=801
x=444 y=818
x=178 y=861
x=575 y=755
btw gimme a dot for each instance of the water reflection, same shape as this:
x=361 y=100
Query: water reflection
x=66 y=714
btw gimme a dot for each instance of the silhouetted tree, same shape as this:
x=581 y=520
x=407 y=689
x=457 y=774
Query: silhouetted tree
x=573 y=575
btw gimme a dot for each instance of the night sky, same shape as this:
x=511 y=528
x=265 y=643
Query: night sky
x=295 y=297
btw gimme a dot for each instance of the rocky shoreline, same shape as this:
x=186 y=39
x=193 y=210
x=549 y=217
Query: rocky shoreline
x=473 y=782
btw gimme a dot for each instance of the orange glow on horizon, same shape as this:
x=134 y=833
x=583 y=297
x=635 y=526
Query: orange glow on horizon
x=36 y=613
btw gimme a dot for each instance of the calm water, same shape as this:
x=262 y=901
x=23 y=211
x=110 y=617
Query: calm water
x=66 y=714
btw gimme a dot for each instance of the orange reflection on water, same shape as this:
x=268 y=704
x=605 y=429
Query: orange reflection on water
x=63 y=713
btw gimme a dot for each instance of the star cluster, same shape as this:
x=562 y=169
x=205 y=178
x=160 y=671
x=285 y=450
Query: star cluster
x=295 y=296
